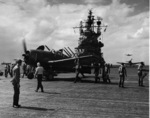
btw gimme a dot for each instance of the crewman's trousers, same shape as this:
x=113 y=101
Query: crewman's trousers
x=16 y=95
x=39 y=85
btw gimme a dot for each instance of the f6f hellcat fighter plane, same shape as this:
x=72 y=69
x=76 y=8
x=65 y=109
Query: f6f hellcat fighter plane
x=52 y=61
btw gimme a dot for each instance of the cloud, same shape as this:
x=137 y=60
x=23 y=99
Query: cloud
x=98 y=2
x=41 y=22
x=121 y=28
x=92 y=1
x=142 y=32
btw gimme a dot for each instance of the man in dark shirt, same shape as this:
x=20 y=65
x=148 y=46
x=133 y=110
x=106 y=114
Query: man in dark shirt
x=16 y=84
x=122 y=74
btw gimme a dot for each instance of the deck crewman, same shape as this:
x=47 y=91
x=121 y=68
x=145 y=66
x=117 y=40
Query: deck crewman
x=39 y=73
x=16 y=84
x=78 y=68
x=122 y=75
x=141 y=73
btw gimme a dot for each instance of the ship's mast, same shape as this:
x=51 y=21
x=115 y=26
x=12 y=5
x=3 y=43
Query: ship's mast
x=91 y=24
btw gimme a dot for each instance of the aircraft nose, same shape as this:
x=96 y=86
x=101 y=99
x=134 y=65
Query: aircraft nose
x=26 y=56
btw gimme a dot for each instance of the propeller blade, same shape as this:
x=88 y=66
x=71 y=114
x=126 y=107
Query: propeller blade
x=26 y=52
x=24 y=46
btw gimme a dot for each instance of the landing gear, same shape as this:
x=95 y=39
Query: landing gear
x=30 y=75
x=50 y=77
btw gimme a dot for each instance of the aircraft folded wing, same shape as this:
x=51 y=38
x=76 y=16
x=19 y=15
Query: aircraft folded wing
x=136 y=63
x=70 y=59
x=5 y=63
x=61 y=60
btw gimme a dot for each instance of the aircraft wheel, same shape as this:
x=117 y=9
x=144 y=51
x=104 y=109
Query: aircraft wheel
x=1 y=73
x=30 y=76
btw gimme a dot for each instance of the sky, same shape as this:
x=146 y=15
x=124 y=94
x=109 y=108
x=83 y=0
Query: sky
x=51 y=22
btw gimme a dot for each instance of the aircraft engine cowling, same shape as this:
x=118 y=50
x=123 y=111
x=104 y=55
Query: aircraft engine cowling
x=26 y=56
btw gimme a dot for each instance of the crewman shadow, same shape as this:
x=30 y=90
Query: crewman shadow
x=61 y=79
x=137 y=87
x=36 y=108
x=111 y=83
x=98 y=82
x=51 y=92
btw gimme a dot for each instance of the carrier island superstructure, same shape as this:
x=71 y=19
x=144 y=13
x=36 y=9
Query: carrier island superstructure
x=90 y=41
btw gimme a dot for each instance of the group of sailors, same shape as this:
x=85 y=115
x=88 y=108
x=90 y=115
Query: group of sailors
x=140 y=71
x=105 y=72
x=9 y=69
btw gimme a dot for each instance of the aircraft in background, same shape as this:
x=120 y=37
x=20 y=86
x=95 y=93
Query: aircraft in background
x=7 y=68
x=5 y=63
x=9 y=63
x=128 y=54
x=130 y=63
x=53 y=61
x=12 y=64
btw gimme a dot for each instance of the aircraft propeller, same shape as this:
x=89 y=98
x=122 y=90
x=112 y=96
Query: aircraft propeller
x=24 y=46
x=26 y=52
